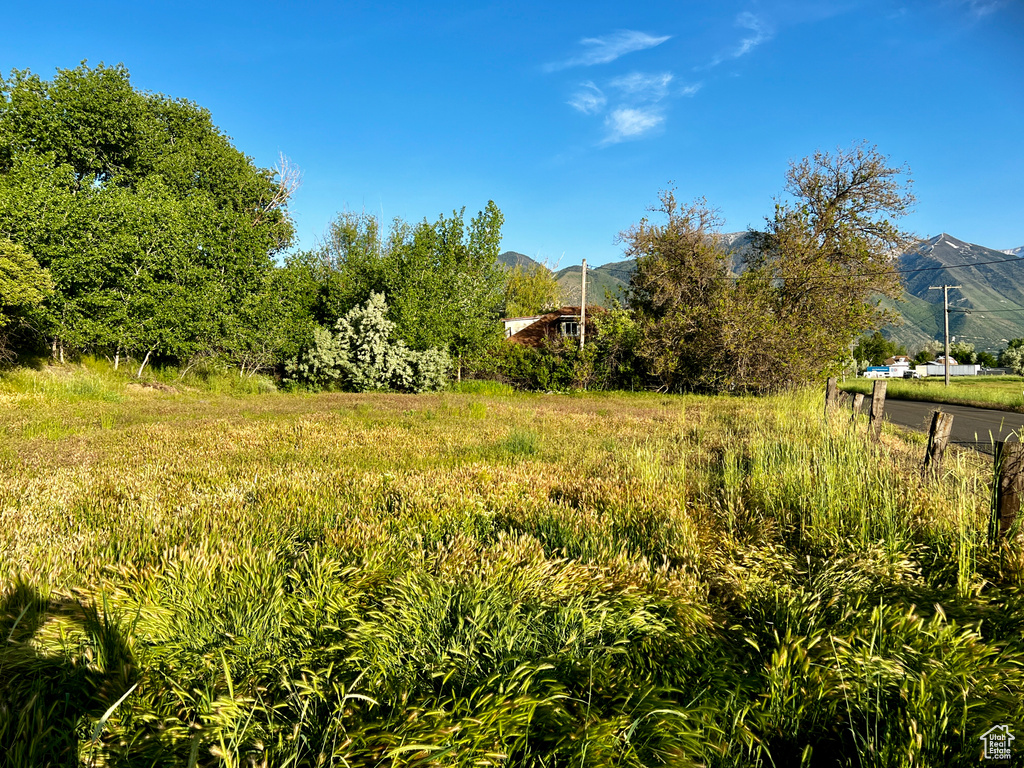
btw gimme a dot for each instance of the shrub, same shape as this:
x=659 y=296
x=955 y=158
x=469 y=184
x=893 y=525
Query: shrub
x=559 y=366
x=363 y=355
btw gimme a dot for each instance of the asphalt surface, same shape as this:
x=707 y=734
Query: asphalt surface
x=972 y=427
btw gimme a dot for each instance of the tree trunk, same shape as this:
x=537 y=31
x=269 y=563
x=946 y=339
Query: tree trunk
x=144 y=361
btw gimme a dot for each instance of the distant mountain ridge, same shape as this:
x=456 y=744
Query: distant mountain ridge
x=986 y=310
x=1015 y=251
x=512 y=259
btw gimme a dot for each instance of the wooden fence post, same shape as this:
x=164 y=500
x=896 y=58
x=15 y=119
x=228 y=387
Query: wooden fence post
x=858 y=403
x=831 y=394
x=938 y=440
x=877 y=407
x=1009 y=465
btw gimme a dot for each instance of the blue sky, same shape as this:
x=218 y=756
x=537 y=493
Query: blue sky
x=572 y=116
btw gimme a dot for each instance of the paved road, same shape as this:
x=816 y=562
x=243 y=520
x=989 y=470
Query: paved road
x=972 y=427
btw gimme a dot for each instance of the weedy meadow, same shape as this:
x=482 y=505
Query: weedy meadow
x=1001 y=392
x=476 y=578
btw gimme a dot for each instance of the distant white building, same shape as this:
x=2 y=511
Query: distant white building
x=898 y=366
x=937 y=367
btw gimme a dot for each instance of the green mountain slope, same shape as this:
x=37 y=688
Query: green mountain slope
x=512 y=259
x=987 y=309
x=603 y=285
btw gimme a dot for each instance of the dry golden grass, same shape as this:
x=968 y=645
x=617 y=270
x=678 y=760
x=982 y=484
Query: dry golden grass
x=491 y=580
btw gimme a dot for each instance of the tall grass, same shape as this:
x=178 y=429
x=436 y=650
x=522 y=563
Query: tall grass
x=1000 y=392
x=492 y=579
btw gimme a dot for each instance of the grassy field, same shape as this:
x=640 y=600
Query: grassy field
x=463 y=579
x=1002 y=392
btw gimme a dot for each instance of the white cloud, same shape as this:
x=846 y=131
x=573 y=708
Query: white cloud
x=981 y=8
x=760 y=33
x=589 y=99
x=601 y=50
x=627 y=123
x=643 y=86
x=691 y=90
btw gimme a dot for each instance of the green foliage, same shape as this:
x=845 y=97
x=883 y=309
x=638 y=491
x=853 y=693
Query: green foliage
x=23 y=284
x=443 y=281
x=987 y=360
x=930 y=351
x=555 y=366
x=963 y=352
x=156 y=231
x=363 y=355
x=686 y=308
x=23 y=288
x=808 y=289
x=520 y=443
x=482 y=387
x=608 y=361
x=616 y=365
x=1012 y=356
x=876 y=349
x=531 y=291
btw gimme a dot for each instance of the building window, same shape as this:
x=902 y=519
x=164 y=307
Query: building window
x=571 y=328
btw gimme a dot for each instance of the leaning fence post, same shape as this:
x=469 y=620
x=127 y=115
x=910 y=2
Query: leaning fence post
x=831 y=394
x=877 y=407
x=1009 y=465
x=938 y=440
x=858 y=402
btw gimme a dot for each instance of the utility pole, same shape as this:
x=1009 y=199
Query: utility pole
x=945 y=313
x=583 y=304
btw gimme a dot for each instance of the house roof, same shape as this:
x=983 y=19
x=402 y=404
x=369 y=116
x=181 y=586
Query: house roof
x=539 y=329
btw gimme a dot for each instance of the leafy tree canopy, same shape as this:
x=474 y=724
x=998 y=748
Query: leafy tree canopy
x=443 y=283
x=531 y=291
x=153 y=226
x=23 y=287
x=23 y=284
x=876 y=349
x=811 y=286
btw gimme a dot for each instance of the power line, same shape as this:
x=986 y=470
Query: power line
x=883 y=272
x=959 y=266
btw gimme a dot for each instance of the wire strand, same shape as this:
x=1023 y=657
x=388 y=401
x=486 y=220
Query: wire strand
x=883 y=272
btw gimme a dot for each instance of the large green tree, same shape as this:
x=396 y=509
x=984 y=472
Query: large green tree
x=809 y=288
x=442 y=280
x=155 y=229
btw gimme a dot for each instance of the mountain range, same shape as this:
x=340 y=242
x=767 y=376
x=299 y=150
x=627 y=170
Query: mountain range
x=605 y=284
x=987 y=308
